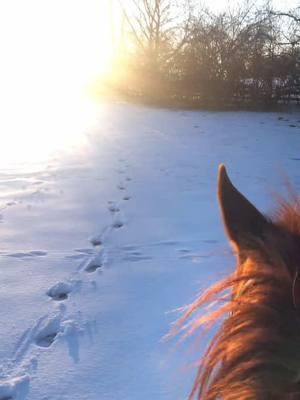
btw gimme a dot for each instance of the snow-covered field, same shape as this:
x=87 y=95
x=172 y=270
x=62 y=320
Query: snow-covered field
x=101 y=238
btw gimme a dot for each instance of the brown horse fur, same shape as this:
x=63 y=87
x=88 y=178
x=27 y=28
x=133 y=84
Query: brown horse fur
x=255 y=354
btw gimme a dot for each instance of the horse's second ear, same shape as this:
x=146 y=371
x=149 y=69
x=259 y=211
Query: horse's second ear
x=241 y=219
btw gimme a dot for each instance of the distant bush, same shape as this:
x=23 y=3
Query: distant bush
x=185 y=56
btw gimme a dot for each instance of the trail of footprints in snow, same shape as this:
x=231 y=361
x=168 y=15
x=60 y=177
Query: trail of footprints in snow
x=48 y=328
x=61 y=290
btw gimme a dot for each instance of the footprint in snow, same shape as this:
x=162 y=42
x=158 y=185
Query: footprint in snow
x=92 y=267
x=60 y=291
x=96 y=241
x=113 y=208
x=48 y=331
x=33 y=253
x=136 y=256
x=46 y=341
x=38 y=253
x=94 y=264
x=121 y=187
x=183 y=251
x=11 y=203
x=118 y=224
x=126 y=198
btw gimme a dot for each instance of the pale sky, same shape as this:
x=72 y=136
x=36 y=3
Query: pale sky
x=278 y=4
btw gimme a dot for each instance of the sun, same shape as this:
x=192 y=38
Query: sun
x=52 y=49
x=56 y=41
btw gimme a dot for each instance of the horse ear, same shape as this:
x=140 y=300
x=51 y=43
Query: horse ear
x=241 y=219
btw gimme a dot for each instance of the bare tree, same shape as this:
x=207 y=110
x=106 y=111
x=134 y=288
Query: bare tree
x=156 y=29
x=185 y=54
x=290 y=26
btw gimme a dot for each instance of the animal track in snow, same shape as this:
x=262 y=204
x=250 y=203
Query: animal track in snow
x=183 y=251
x=136 y=256
x=118 y=224
x=47 y=340
x=60 y=291
x=38 y=253
x=33 y=253
x=92 y=267
x=96 y=241
x=93 y=264
x=126 y=198
x=11 y=203
x=47 y=331
x=121 y=187
x=113 y=208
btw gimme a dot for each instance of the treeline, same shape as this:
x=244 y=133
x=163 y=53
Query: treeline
x=178 y=53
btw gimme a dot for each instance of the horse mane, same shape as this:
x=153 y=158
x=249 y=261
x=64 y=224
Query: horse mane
x=255 y=352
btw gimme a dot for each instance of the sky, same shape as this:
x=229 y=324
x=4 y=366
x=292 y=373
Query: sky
x=44 y=41
x=278 y=4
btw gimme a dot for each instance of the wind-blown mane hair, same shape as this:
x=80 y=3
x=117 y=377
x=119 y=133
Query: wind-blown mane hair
x=255 y=353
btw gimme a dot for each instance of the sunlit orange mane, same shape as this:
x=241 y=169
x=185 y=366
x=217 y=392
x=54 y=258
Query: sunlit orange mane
x=255 y=354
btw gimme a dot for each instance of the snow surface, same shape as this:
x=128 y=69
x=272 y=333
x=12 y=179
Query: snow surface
x=101 y=241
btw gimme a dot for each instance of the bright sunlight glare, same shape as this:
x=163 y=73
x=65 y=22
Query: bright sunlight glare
x=50 y=49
